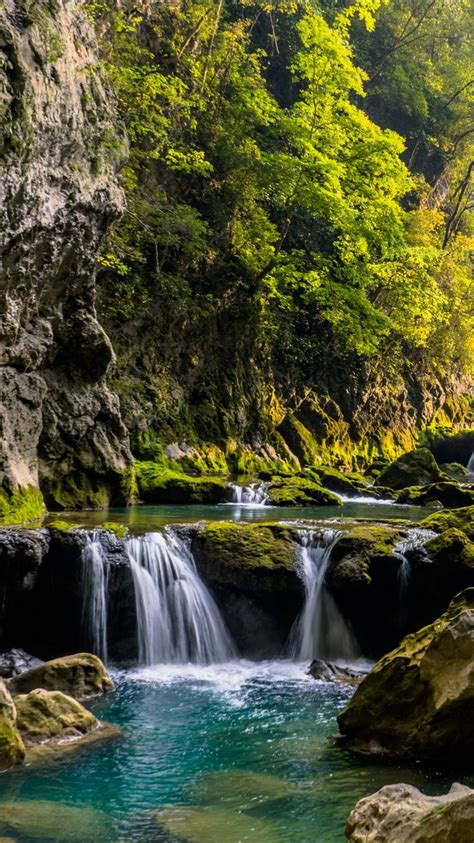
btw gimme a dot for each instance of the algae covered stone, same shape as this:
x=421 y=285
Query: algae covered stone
x=43 y=820
x=82 y=675
x=459 y=519
x=300 y=491
x=12 y=750
x=448 y=494
x=418 y=700
x=247 y=556
x=159 y=485
x=51 y=716
x=416 y=468
x=399 y=813
x=202 y=825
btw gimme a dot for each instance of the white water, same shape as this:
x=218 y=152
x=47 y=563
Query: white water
x=255 y=494
x=321 y=631
x=366 y=499
x=94 y=596
x=414 y=538
x=177 y=619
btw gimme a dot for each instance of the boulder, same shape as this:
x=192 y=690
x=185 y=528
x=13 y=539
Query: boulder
x=328 y=672
x=299 y=491
x=417 y=468
x=399 y=813
x=418 y=699
x=15 y=661
x=81 y=676
x=448 y=494
x=44 y=716
x=160 y=485
x=12 y=750
x=459 y=519
x=455 y=471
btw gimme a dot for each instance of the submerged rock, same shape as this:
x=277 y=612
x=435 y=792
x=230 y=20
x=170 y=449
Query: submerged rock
x=12 y=750
x=16 y=661
x=417 y=468
x=418 y=700
x=81 y=676
x=51 y=716
x=240 y=789
x=202 y=825
x=399 y=813
x=42 y=820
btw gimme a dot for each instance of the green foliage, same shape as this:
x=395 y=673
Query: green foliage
x=269 y=181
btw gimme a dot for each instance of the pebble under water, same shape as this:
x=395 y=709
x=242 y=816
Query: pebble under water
x=238 y=752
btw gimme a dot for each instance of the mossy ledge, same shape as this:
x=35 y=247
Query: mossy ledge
x=23 y=505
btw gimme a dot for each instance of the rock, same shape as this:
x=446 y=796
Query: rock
x=51 y=716
x=459 y=519
x=399 y=813
x=240 y=790
x=252 y=574
x=418 y=700
x=82 y=676
x=13 y=662
x=446 y=494
x=12 y=750
x=417 y=468
x=158 y=485
x=327 y=672
x=201 y=825
x=299 y=491
x=455 y=471
x=61 y=426
x=37 y=819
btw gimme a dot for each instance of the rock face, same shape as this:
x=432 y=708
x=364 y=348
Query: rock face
x=430 y=714
x=82 y=676
x=51 y=716
x=60 y=426
x=417 y=468
x=399 y=813
x=15 y=661
x=12 y=750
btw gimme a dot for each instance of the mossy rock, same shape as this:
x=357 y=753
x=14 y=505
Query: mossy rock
x=82 y=676
x=345 y=484
x=249 y=556
x=210 y=823
x=12 y=749
x=119 y=530
x=459 y=519
x=51 y=716
x=450 y=547
x=418 y=699
x=299 y=491
x=417 y=468
x=455 y=471
x=160 y=486
x=449 y=494
x=22 y=505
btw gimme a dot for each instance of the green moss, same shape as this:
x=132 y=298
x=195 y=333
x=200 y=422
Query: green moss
x=447 y=493
x=247 y=555
x=60 y=526
x=460 y=519
x=158 y=485
x=120 y=530
x=129 y=485
x=300 y=491
x=416 y=468
x=23 y=505
x=78 y=491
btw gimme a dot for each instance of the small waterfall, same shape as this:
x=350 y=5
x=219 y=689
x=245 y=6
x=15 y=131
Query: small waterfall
x=255 y=494
x=94 y=596
x=177 y=619
x=321 y=631
x=470 y=465
x=414 y=538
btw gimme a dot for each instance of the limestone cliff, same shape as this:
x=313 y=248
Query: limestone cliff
x=60 y=426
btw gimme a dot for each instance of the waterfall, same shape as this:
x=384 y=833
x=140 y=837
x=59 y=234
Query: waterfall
x=414 y=538
x=177 y=619
x=94 y=596
x=320 y=631
x=255 y=494
x=470 y=465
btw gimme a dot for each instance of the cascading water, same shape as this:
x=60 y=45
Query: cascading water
x=414 y=538
x=320 y=631
x=254 y=493
x=470 y=465
x=94 y=596
x=177 y=619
